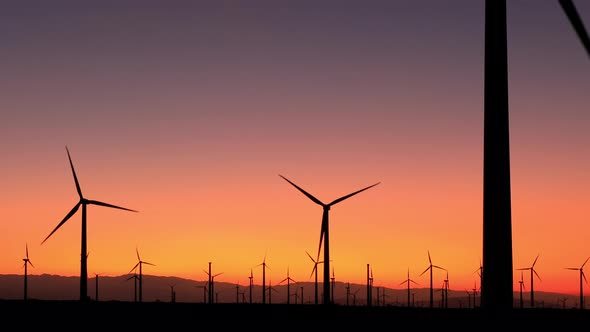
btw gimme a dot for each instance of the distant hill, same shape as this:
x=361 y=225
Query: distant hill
x=158 y=289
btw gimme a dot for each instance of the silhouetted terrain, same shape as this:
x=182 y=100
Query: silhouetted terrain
x=157 y=289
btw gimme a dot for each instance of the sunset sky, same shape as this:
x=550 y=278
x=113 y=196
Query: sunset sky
x=188 y=111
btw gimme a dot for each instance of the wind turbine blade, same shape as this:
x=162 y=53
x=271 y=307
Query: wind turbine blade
x=535 y=261
x=28 y=261
x=135 y=267
x=217 y=274
x=322 y=232
x=350 y=195
x=74 y=173
x=583 y=275
x=315 y=200
x=584 y=263
x=438 y=267
x=27 y=250
x=315 y=266
x=148 y=263
x=429 y=260
x=108 y=205
x=137 y=252
x=576 y=22
x=70 y=214
x=428 y=268
x=313 y=260
x=535 y=272
x=572 y=268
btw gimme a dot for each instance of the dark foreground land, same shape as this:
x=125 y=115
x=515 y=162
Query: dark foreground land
x=69 y=315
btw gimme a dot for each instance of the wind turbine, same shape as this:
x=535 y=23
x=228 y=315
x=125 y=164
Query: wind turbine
x=333 y=280
x=270 y=290
x=96 y=287
x=315 y=271
x=251 y=285
x=430 y=267
x=408 y=281
x=497 y=292
x=25 y=265
x=172 y=294
x=582 y=276
x=140 y=278
x=288 y=279
x=84 y=202
x=324 y=233
x=264 y=266
x=446 y=290
x=135 y=278
x=521 y=288
x=204 y=291
x=532 y=269
x=211 y=283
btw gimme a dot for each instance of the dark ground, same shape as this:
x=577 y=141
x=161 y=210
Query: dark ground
x=69 y=315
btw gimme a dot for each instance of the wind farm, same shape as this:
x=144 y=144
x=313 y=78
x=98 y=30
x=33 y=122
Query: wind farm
x=188 y=114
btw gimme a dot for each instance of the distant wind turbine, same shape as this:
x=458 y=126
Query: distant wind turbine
x=533 y=271
x=25 y=265
x=430 y=267
x=211 y=283
x=521 y=288
x=315 y=271
x=140 y=278
x=251 y=285
x=582 y=279
x=324 y=233
x=96 y=287
x=83 y=256
x=288 y=279
x=333 y=280
x=135 y=278
x=264 y=267
x=172 y=294
x=408 y=281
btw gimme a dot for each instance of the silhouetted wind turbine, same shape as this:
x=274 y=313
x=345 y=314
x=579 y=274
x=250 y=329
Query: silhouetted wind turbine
x=264 y=266
x=497 y=287
x=582 y=279
x=446 y=290
x=27 y=262
x=140 y=278
x=521 y=288
x=333 y=280
x=288 y=279
x=251 y=285
x=532 y=269
x=430 y=267
x=270 y=290
x=354 y=296
x=135 y=278
x=172 y=294
x=315 y=271
x=408 y=281
x=83 y=256
x=204 y=291
x=324 y=233
x=96 y=287
x=211 y=283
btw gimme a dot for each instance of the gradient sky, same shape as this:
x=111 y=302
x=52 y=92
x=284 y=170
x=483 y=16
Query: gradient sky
x=188 y=111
